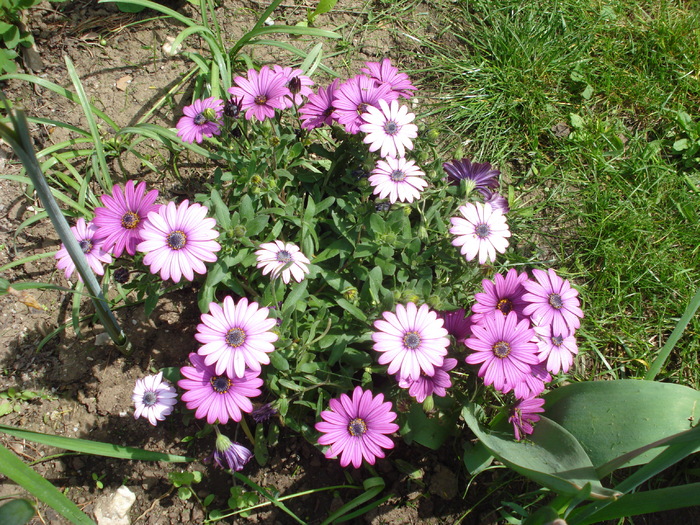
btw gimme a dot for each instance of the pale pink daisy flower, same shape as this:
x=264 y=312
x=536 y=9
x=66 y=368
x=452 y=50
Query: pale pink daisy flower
x=298 y=85
x=216 y=397
x=389 y=128
x=318 y=109
x=398 y=179
x=412 y=341
x=236 y=337
x=178 y=240
x=202 y=119
x=504 y=347
x=122 y=218
x=503 y=294
x=384 y=73
x=425 y=386
x=523 y=415
x=552 y=301
x=154 y=398
x=261 y=93
x=354 y=96
x=357 y=428
x=285 y=259
x=481 y=230
x=556 y=351
x=91 y=242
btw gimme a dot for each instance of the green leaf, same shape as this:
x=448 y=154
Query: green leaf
x=588 y=92
x=260 y=449
x=351 y=309
x=429 y=432
x=576 y=121
x=40 y=488
x=612 y=418
x=553 y=458
x=16 y=512
x=476 y=457
x=681 y=144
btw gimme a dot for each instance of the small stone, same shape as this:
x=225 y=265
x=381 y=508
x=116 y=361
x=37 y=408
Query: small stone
x=102 y=339
x=113 y=509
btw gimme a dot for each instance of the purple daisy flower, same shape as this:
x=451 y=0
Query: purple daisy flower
x=389 y=128
x=412 y=341
x=398 y=179
x=354 y=96
x=154 y=398
x=356 y=428
x=496 y=200
x=229 y=454
x=297 y=83
x=552 y=301
x=481 y=230
x=524 y=414
x=424 y=386
x=505 y=348
x=457 y=323
x=122 y=218
x=556 y=351
x=217 y=397
x=532 y=384
x=178 y=240
x=202 y=119
x=285 y=259
x=503 y=294
x=236 y=337
x=91 y=242
x=263 y=413
x=318 y=109
x=481 y=175
x=384 y=73
x=261 y=93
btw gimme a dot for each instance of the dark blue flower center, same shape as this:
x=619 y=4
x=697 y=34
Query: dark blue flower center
x=284 y=256
x=397 y=175
x=220 y=384
x=149 y=399
x=557 y=340
x=391 y=128
x=482 y=230
x=501 y=349
x=199 y=119
x=130 y=220
x=505 y=306
x=177 y=240
x=357 y=427
x=86 y=246
x=328 y=111
x=411 y=340
x=555 y=301
x=235 y=337
x=260 y=100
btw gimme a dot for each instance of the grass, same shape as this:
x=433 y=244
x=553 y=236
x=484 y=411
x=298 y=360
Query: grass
x=578 y=102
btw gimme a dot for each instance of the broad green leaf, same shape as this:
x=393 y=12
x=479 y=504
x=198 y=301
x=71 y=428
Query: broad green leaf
x=12 y=467
x=553 y=457
x=612 y=418
x=16 y=512
x=429 y=432
x=351 y=309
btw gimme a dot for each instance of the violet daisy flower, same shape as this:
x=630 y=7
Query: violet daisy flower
x=356 y=428
x=179 y=240
x=424 y=386
x=261 y=93
x=297 y=83
x=318 y=109
x=481 y=230
x=229 y=454
x=285 y=259
x=482 y=175
x=91 y=242
x=557 y=351
x=202 y=119
x=457 y=323
x=412 y=341
x=384 y=73
x=496 y=200
x=154 y=398
x=398 y=179
x=503 y=294
x=552 y=301
x=217 y=397
x=236 y=337
x=263 y=413
x=353 y=97
x=389 y=128
x=524 y=414
x=121 y=220
x=531 y=385
x=504 y=347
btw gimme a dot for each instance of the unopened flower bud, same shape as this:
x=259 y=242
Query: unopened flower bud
x=350 y=294
x=121 y=275
x=209 y=114
x=294 y=85
x=239 y=230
